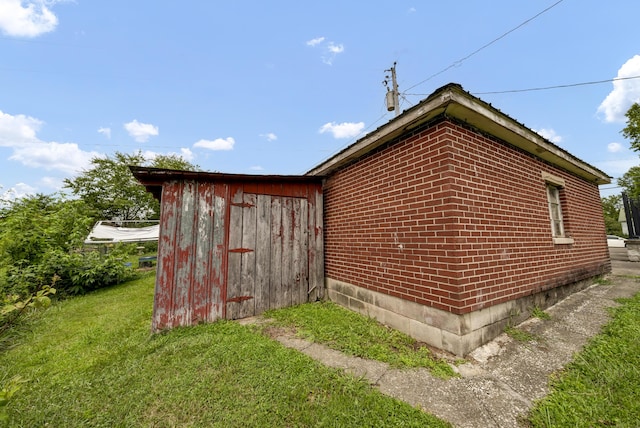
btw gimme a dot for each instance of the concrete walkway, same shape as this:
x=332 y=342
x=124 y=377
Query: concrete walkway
x=502 y=379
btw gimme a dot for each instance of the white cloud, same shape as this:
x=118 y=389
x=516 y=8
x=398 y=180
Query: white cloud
x=256 y=168
x=185 y=153
x=19 y=133
x=614 y=147
x=217 y=144
x=412 y=10
x=550 y=135
x=270 y=136
x=141 y=132
x=335 y=49
x=316 y=41
x=342 y=130
x=66 y=157
x=18 y=191
x=17 y=129
x=624 y=93
x=105 y=131
x=330 y=49
x=30 y=18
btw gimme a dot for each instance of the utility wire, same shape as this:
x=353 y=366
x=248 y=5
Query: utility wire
x=461 y=60
x=570 y=85
x=544 y=88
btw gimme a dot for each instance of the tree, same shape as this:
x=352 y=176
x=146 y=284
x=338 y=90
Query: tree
x=32 y=225
x=630 y=182
x=112 y=191
x=40 y=240
x=632 y=130
x=611 y=207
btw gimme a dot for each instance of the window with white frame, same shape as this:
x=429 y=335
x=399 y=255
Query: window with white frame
x=555 y=186
x=555 y=211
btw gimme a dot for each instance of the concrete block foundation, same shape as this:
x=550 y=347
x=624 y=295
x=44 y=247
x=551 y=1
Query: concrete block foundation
x=458 y=334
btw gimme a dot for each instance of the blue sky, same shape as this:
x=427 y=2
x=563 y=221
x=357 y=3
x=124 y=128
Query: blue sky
x=277 y=87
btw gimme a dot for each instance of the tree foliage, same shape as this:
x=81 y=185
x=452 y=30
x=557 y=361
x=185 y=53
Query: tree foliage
x=632 y=130
x=630 y=182
x=40 y=239
x=112 y=191
x=611 y=208
x=33 y=225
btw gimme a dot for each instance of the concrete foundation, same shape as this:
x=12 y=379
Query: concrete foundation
x=458 y=334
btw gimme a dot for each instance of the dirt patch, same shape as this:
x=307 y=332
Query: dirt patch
x=273 y=331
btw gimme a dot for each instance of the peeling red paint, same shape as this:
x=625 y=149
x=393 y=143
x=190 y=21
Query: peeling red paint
x=240 y=250
x=235 y=249
x=239 y=299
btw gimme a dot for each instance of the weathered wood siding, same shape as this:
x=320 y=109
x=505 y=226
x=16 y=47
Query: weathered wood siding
x=191 y=255
x=234 y=250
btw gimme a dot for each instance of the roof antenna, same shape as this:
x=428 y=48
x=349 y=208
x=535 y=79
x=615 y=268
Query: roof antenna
x=392 y=94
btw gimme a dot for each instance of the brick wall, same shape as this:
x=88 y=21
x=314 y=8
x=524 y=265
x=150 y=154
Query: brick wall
x=451 y=219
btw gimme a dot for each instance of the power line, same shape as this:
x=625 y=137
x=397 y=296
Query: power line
x=461 y=60
x=544 y=88
x=570 y=85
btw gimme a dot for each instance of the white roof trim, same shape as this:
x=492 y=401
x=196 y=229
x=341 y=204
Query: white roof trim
x=454 y=102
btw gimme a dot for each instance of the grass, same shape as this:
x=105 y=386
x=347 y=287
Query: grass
x=90 y=361
x=520 y=335
x=536 y=312
x=353 y=334
x=602 y=281
x=601 y=387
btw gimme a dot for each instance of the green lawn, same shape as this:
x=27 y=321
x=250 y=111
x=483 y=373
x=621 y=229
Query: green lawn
x=91 y=361
x=601 y=387
x=359 y=336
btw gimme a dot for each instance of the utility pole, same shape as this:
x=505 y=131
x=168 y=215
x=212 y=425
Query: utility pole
x=393 y=103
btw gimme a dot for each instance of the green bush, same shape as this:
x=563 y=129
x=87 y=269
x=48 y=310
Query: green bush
x=76 y=273
x=41 y=237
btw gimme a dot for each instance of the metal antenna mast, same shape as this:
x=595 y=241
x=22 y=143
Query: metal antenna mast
x=393 y=104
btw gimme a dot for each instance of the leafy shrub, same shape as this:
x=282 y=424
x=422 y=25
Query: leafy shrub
x=76 y=273
x=11 y=311
x=6 y=394
x=13 y=307
x=40 y=238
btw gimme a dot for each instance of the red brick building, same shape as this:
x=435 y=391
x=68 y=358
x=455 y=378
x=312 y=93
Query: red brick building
x=453 y=220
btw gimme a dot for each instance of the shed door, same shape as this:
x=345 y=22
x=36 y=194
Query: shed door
x=268 y=265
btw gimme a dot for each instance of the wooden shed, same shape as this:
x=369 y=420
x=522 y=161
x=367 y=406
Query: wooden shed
x=232 y=246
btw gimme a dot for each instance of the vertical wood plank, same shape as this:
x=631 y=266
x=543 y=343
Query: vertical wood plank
x=320 y=242
x=234 y=273
x=316 y=245
x=218 y=256
x=263 y=253
x=206 y=296
x=201 y=295
x=248 y=268
x=163 y=301
x=275 y=277
x=295 y=252
x=287 y=252
x=302 y=228
x=185 y=255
